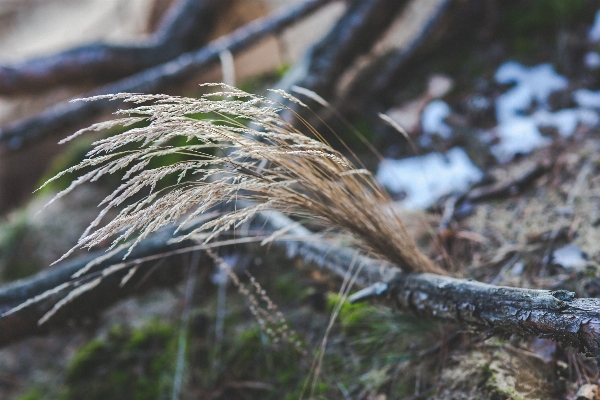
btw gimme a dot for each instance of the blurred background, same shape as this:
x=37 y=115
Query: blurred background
x=488 y=144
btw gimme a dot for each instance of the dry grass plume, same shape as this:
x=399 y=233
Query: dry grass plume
x=241 y=149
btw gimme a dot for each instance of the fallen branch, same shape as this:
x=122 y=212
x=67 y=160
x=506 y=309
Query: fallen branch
x=499 y=310
x=67 y=117
x=555 y=315
x=354 y=34
x=481 y=307
x=375 y=89
x=24 y=322
x=371 y=87
x=185 y=27
x=301 y=176
x=397 y=68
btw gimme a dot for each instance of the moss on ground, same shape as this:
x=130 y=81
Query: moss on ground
x=18 y=257
x=128 y=364
x=32 y=394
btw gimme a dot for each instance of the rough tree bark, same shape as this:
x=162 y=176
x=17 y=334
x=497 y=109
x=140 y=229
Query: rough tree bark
x=499 y=310
x=478 y=306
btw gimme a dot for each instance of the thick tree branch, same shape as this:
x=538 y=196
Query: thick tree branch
x=67 y=116
x=25 y=321
x=448 y=26
x=482 y=307
x=556 y=315
x=186 y=26
x=373 y=86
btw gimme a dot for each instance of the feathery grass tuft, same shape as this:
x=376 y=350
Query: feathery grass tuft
x=242 y=149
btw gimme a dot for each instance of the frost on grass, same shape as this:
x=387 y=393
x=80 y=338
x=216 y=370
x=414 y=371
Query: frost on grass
x=238 y=150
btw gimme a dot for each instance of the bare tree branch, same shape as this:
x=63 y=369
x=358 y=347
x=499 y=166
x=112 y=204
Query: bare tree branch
x=396 y=68
x=25 y=321
x=67 y=116
x=353 y=34
x=556 y=315
x=451 y=23
x=481 y=307
x=186 y=26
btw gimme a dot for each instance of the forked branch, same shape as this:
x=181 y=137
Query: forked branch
x=353 y=35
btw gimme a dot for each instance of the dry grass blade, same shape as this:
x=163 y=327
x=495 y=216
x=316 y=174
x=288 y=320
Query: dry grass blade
x=239 y=149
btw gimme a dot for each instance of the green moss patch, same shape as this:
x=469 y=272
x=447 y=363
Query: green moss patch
x=128 y=365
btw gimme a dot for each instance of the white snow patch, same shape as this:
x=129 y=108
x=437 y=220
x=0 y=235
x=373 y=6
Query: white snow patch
x=518 y=135
x=432 y=119
x=592 y=60
x=517 y=269
x=426 y=178
x=587 y=98
x=566 y=120
x=514 y=102
x=570 y=257
x=535 y=83
x=588 y=117
x=594 y=32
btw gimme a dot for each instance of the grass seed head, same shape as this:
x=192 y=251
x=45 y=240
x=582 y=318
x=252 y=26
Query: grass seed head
x=239 y=149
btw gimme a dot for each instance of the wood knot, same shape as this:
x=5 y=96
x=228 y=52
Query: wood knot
x=563 y=295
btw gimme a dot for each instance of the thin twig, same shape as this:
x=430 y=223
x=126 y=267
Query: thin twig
x=507 y=188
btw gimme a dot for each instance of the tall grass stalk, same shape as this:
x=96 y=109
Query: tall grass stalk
x=238 y=148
